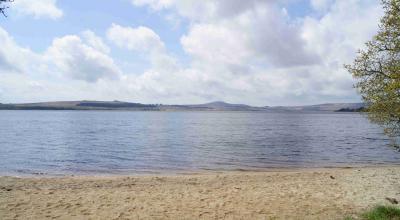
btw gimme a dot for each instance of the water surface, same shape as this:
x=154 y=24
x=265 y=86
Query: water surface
x=122 y=142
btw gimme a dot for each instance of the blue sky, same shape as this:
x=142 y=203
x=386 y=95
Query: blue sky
x=257 y=52
x=93 y=15
x=98 y=16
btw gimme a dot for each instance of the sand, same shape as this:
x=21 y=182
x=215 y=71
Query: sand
x=289 y=194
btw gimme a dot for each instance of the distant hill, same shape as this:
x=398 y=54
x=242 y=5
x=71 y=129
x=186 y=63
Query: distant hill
x=80 y=105
x=328 y=107
x=212 y=106
x=113 y=105
x=227 y=106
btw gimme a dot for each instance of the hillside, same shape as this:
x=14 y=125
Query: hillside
x=330 y=107
x=212 y=106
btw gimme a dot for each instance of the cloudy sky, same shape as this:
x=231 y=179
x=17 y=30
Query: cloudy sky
x=258 y=52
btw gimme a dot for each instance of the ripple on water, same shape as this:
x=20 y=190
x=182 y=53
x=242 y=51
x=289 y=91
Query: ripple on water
x=75 y=142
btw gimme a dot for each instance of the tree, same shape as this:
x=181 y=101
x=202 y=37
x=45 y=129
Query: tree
x=3 y=6
x=377 y=71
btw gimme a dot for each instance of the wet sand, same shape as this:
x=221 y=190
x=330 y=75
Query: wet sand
x=288 y=194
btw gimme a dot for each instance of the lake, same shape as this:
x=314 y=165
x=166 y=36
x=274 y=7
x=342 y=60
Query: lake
x=123 y=142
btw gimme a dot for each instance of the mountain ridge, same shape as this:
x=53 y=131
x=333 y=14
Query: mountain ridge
x=211 y=106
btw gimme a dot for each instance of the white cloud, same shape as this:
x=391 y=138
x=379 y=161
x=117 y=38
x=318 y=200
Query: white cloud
x=254 y=51
x=216 y=43
x=38 y=8
x=139 y=39
x=81 y=61
x=321 y=5
x=203 y=10
x=238 y=51
x=144 y=41
x=14 y=58
x=154 y=4
x=94 y=41
x=68 y=56
x=263 y=34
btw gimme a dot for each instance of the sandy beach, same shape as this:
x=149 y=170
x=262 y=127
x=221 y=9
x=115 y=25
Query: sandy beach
x=330 y=193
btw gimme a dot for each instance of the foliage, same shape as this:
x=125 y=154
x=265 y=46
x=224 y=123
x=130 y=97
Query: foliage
x=383 y=213
x=377 y=71
x=380 y=213
x=3 y=6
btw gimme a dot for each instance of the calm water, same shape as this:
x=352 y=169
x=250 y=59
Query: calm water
x=101 y=142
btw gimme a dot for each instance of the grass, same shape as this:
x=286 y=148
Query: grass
x=380 y=213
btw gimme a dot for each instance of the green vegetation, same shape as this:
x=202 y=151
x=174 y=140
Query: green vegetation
x=377 y=71
x=362 y=109
x=3 y=7
x=380 y=213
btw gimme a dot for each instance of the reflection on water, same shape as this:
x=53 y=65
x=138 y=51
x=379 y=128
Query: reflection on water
x=90 y=142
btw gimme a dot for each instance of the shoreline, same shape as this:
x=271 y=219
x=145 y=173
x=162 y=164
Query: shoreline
x=171 y=173
x=321 y=193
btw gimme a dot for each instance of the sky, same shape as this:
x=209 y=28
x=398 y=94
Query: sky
x=256 y=52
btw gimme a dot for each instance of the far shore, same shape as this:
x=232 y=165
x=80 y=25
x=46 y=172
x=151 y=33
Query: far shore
x=320 y=193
